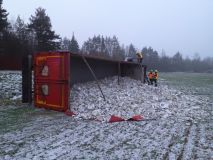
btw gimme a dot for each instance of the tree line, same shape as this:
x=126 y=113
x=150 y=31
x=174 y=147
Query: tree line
x=19 y=39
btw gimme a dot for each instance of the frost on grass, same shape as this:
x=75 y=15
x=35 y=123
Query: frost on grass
x=179 y=129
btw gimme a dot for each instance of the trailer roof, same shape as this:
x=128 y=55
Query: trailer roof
x=93 y=57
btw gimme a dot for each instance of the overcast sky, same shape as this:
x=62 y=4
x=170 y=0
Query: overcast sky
x=172 y=25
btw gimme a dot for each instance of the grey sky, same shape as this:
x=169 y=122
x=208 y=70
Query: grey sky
x=172 y=25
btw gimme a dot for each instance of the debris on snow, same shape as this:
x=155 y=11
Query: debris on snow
x=129 y=98
x=10 y=85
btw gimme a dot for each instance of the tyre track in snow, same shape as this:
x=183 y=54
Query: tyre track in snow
x=204 y=141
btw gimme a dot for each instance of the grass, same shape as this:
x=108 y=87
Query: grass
x=8 y=101
x=191 y=79
x=198 y=83
x=14 y=118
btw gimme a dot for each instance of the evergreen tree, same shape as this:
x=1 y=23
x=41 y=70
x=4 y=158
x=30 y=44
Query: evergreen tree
x=3 y=18
x=132 y=51
x=93 y=46
x=24 y=37
x=65 y=43
x=117 y=52
x=73 y=47
x=103 y=47
x=20 y=29
x=3 y=28
x=177 y=61
x=109 y=46
x=41 y=26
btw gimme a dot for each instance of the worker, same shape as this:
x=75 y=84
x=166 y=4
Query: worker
x=155 y=77
x=139 y=57
x=150 y=76
x=147 y=79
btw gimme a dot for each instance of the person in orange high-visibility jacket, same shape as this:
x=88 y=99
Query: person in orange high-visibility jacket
x=155 y=77
x=150 y=76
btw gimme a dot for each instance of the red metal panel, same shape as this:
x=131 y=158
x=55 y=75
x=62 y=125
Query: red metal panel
x=51 y=75
x=55 y=63
x=56 y=97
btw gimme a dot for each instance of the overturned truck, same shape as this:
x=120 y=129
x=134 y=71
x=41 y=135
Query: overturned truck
x=55 y=72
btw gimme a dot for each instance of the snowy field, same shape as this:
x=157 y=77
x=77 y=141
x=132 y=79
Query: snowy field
x=177 y=123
